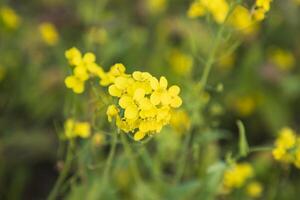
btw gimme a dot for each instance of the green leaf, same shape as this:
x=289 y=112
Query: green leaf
x=243 y=144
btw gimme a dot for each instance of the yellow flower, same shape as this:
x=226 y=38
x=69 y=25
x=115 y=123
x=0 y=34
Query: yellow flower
x=286 y=139
x=237 y=175
x=112 y=111
x=283 y=60
x=196 y=10
x=9 y=17
x=49 y=33
x=261 y=8
x=75 y=84
x=181 y=63
x=75 y=129
x=244 y=105
x=84 y=67
x=254 y=189
x=180 y=121
x=217 y=8
x=156 y=6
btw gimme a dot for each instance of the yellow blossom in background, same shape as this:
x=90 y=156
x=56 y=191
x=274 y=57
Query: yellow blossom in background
x=156 y=6
x=9 y=17
x=227 y=62
x=75 y=129
x=287 y=146
x=283 y=60
x=181 y=63
x=241 y=20
x=49 y=33
x=261 y=8
x=244 y=105
x=217 y=8
x=254 y=189
x=97 y=35
x=237 y=175
x=98 y=139
x=180 y=121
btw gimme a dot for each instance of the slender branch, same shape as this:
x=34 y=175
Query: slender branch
x=62 y=176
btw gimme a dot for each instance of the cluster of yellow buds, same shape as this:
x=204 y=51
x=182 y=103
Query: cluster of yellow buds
x=237 y=175
x=261 y=8
x=144 y=102
x=84 y=67
x=287 y=147
x=75 y=129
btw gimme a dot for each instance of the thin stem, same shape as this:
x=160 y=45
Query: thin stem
x=133 y=165
x=111 y=155
x=62 y=176
x=181 y=161
x=212 y=55
x=260 y=148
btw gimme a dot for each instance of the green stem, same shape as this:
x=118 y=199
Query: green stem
x=259 y=149
x=62 y=176
x=212 y=55
x=111 y=155
x=133 y=165
x=181 y=161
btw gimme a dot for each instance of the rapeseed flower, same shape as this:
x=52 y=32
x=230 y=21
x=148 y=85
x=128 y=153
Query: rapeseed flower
x=254 y=189
x=237 y=175
x=75 y=129
x=9 y=17
x=180 y=62
x=261 y=8
x=49 y=33
x=84 y=67
x=287 y=147
x=282 y=59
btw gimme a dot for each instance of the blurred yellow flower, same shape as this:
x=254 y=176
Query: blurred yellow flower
x=217 y=8
x=180 y=121
x=9 y=17
x=283 y=60
x=261 y=8
x=97 y=35
x=237 y=175
x=181 y=63
x=156 y=6
x=49 y=33
x=75 y=129
x=98 y=139
x=227 y=62
x=254 y=189
x=244 y=105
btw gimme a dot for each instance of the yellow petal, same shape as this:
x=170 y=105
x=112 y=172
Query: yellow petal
x=176 y=102
x=154 y=83
x=163 y=82
x=131 y=112
x=78 y=87
x=114 y=91
x=155 y=98
x=70 y=81
x=125 y=101
x=165 y=98
x=121 y=82
x=137 y=75
x=139 y=135
x=89 y=58
x=139 y=94
x=174 y=90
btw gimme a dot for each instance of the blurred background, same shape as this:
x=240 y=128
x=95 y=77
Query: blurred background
x=256 y=77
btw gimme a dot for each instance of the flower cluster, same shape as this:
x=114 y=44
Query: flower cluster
x=144 y=103
x=237 y=175
x=75 y=129
x=84 y=67
x=287 y=147
x=261 y=8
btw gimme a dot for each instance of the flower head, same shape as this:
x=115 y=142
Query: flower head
x=75 y=129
